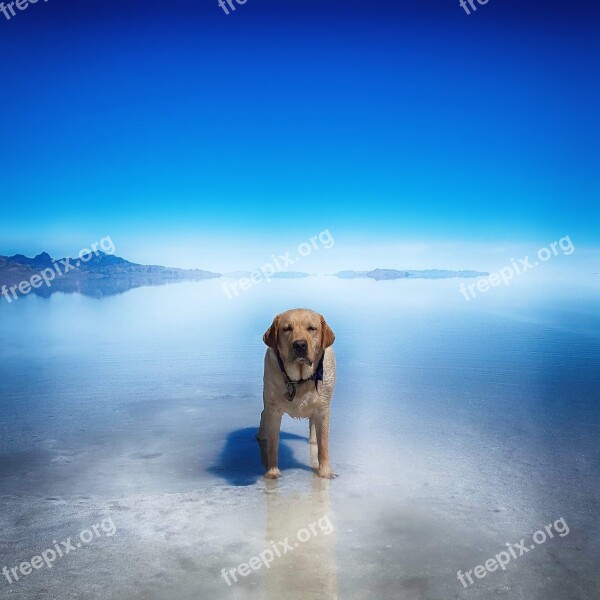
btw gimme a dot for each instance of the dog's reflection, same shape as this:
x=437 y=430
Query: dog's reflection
x=301 y=535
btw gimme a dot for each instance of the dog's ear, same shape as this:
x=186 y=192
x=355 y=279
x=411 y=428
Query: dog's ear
x=327 y=336
x=270 y=336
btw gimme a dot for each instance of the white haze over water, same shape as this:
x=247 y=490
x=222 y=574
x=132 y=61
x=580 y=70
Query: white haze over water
x=348 y=252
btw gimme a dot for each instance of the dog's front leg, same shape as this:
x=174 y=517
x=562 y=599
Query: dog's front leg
x=261 y=437
x=321 y=420
x=271 y=423
x=312 y=430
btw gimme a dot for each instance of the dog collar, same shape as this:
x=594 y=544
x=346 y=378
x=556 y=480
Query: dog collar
x=291 y=385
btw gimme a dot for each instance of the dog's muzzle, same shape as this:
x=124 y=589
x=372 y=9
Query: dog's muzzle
x=300 y=348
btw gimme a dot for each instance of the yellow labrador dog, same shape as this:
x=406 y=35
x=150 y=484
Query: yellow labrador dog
x=299 y=380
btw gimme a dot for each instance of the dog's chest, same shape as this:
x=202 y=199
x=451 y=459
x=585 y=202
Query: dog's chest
x=304 y=403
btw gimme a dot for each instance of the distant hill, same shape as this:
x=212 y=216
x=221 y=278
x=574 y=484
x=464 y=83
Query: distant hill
x=351 y=274
x=384 y=274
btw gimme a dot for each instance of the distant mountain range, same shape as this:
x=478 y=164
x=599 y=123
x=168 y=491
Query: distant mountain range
x=98 y=275
x=98 y=264
x=101 y=274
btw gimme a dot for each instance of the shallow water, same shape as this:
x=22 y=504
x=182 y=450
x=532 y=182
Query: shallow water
x=457 y=427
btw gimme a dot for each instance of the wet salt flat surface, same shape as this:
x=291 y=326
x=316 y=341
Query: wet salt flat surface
x=457 y=427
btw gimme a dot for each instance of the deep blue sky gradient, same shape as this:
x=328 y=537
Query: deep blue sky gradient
x=382 y=120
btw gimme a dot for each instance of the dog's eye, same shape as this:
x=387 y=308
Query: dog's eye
x=312 y=328
x=287 y=328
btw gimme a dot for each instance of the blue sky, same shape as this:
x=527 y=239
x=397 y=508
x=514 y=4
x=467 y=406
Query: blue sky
x=201 y=139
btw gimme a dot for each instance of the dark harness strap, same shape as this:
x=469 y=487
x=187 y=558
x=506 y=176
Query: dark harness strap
x=291 y=385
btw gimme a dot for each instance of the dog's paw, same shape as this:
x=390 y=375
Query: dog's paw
x=326 y=473
x=273 y=473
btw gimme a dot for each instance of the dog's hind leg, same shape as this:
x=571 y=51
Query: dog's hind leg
x=261 y=434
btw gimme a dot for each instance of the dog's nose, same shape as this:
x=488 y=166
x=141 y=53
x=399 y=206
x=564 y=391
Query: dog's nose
x=300 y=345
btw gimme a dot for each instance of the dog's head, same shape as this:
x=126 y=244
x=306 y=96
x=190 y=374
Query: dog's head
x=300 y=335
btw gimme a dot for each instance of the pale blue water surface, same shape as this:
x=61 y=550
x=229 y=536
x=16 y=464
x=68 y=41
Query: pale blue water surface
x=457 y=427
